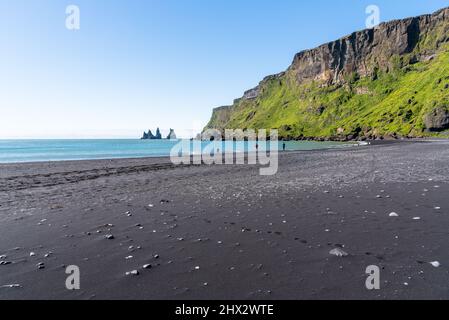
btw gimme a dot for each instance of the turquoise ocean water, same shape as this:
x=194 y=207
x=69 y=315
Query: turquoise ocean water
x=12 y=151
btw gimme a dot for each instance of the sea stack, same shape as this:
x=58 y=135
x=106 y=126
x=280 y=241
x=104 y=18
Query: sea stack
x=149 y=135
x=171 y=135
x=158 y=134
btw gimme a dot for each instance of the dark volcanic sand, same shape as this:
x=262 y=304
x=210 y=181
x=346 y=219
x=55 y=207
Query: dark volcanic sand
x=253 y=237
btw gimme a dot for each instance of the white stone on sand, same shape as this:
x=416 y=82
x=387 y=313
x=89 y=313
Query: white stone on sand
x=393 y=214
x=338 y=252
x=435 y=264
x=132 y=273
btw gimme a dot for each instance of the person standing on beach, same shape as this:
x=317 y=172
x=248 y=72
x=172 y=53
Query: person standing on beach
x=283 y=146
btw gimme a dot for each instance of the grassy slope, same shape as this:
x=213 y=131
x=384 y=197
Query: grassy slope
x=396 y=102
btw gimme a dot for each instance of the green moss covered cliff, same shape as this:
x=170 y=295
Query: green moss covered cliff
x=387 y=82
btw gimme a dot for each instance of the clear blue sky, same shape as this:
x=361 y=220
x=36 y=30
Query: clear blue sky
x=136 y=65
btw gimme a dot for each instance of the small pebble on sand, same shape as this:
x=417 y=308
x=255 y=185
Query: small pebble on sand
x=132 y=273
x=393 y=214
x=338 y=252
x=10 y=286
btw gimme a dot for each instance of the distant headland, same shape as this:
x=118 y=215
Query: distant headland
x=158 y=136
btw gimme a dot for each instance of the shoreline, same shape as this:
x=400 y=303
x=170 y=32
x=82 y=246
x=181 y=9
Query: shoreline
x=14 y=169
x=160 y=158
x=163 y=159
x=345 y=144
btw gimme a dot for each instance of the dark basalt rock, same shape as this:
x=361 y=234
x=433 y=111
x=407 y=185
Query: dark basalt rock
x=437 y=120
x=335 y=61
x=148 y=136
x=316 y=110
x=251 y=94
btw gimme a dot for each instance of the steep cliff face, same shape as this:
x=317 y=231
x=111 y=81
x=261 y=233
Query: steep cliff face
x=220 y=117
x=323 y=87
x=370 y=50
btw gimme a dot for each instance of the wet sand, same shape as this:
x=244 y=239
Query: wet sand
x=225 y=232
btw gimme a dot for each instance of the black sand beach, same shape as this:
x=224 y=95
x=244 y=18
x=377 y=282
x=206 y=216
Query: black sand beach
x=225 y=232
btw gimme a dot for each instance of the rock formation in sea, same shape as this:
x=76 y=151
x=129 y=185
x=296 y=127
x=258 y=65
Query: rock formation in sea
x=149 y=135
x=158 y=134
x=171 y=135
